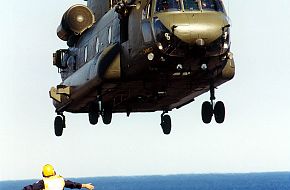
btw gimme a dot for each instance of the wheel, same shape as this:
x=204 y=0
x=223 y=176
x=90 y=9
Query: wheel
x=107 y=114
x=206 y=112
x=219 y=112
x=58 y=125
x=166 y=124
x=93 y=117
x=93 y=113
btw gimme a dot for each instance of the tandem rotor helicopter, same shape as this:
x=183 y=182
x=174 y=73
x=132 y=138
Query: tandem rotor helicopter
x=141 y=56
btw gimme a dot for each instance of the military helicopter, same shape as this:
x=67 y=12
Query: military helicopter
x=141 y=56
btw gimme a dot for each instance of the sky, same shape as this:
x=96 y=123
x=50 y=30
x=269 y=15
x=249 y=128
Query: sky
x=255 y=136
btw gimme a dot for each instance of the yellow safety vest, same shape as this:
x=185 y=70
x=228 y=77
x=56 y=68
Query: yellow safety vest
x=54 y=183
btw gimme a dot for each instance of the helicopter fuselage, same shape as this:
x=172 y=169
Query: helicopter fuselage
x=143 y=58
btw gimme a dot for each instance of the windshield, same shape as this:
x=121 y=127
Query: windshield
x=168 y=5
x=212 y=5
x=191 y=5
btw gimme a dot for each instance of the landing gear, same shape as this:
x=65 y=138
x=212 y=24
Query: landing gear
x=93 y=114
x=210 y=108
x=206 y=112
x=59 y=125
x=219 y=112
x=97 y=109
x=107 y=114
x=165 y=123
x=93 y=117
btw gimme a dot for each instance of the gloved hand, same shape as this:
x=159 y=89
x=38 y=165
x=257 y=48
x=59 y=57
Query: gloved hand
x=88 y=186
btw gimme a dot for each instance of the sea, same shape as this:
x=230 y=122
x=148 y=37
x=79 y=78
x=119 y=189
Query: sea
x=246 y=181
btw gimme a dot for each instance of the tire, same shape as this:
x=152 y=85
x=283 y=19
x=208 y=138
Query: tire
x=107 y=115
x=58 y=126
x=166 y=124
x=93 y=118
x=219 y=112
x=206 y=112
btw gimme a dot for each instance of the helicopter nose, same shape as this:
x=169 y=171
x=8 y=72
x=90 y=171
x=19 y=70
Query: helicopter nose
x=196 y=28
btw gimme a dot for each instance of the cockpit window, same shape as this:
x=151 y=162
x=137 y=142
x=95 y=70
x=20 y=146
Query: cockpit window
x=220 y=6
x=168 y=5
x=212 y=5
x=190 y=5
x=208 y=5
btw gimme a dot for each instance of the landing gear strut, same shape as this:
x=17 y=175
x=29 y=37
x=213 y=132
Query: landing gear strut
x=210 y=108
x=165 y=123
x=59 y=124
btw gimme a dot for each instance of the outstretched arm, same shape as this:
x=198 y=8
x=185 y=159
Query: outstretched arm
x=36 y=186
x=75 y=185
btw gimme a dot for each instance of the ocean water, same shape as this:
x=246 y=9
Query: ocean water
x=251 y=181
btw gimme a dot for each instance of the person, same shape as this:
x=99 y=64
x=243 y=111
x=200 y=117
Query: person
x=68 y=62
x=71 y=60
x=51 y=181
x=165 y=5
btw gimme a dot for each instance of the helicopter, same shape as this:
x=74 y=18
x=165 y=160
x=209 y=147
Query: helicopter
x=141 y=56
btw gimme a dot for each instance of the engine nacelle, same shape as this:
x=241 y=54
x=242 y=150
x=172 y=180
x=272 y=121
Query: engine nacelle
x=75 y=21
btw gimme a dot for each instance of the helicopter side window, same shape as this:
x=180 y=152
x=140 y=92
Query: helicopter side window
x=168 y=5
x=190 y=5
x=110 y=34
x=86 y=53
x=97 y=45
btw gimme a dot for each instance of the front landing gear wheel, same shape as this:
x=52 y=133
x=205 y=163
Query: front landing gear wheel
x=206 y=112
x=219 y=112
x=59 y=124
x=166 y=124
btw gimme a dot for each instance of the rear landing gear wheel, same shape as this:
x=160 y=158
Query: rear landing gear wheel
x=107 y=114
x=166 y=124
x=93 y=117
x=59 y=124
x=93 y=113
x=206 y=112
x=219 y=112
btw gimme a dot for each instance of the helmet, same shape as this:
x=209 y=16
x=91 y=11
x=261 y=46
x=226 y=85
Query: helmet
x=48 y=170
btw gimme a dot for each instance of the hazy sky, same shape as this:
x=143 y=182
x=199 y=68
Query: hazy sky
x=254 y=137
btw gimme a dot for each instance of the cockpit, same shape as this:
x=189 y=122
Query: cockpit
x=168 y=5
x=189 y=5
